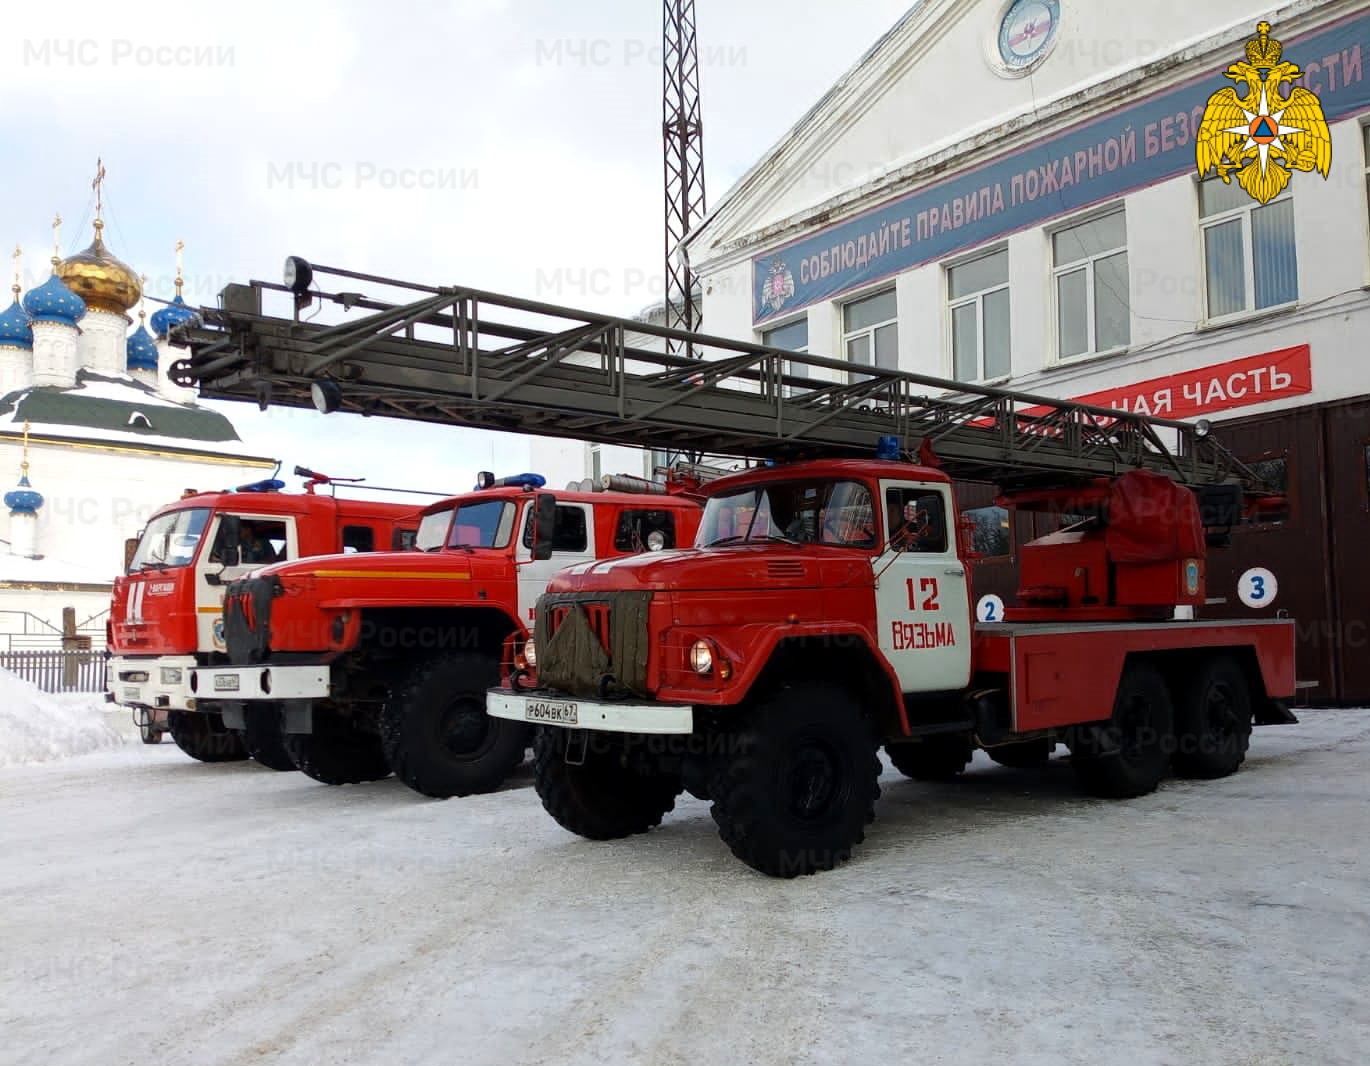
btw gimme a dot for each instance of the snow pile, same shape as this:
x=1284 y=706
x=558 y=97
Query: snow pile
x=36 y=726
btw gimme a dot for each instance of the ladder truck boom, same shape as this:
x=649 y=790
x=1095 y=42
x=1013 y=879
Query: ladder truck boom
x=469 y=357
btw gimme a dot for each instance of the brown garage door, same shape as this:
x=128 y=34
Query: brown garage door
x=1348 y=478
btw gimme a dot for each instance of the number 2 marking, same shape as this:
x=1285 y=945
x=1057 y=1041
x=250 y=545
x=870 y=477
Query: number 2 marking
x=925 y=585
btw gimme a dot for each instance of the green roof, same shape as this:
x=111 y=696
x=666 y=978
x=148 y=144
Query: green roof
x=55 y=407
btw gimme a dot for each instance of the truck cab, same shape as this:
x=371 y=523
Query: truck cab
x=166 y=611
x=368 y=664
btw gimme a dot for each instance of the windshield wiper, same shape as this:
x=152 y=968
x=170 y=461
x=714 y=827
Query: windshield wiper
x=773 y=538
x=153 y=566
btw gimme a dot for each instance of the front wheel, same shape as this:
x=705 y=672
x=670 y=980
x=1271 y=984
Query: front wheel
x=264 y=737
x=798 y=787
x=203 y=736
x=437 y=736
x=603 y=797
x=337 y=753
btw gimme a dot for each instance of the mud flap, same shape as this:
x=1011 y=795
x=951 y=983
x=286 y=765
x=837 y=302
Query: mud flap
x=1274 y=712
x=298 y=717
x=233 y=714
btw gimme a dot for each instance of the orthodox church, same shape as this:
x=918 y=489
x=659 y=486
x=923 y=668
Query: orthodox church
x=94 y=436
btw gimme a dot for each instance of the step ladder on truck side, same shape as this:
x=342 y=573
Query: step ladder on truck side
x=826 y=608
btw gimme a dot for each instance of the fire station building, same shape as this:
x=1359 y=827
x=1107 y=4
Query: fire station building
x=1007 y=192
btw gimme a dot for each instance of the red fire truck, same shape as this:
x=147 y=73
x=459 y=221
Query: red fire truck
x=382 y=662
x=826 y=609
x=166 y=617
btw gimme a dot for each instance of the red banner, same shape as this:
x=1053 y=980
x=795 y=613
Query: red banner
x=1255 y=379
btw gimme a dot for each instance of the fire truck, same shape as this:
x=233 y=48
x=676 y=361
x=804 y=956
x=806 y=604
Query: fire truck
x=166 y=611
x=380 y=662
x=826 y=608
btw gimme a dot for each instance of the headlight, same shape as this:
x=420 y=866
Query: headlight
x=530 y=653
x=701 y=657
x=171 y=675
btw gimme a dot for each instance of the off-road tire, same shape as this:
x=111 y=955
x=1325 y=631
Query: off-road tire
x=939 y=757
x=1024 y=755
x=203 y=736
x=437 y=736
x=1213 y=721
x=1130 y=754
x=336 y=753
x=604 y=798
x=798 y=783
x=264 y=738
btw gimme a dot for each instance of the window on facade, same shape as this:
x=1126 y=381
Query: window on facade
x=870 y=334
x=990 y=534
x=1249 y=257
x=977 y=294
x=1089 y=265
x=793 y=337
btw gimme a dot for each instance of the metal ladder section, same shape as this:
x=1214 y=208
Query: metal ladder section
x=461 y=356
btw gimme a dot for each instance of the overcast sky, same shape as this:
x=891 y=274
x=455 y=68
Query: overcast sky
x=531 y=128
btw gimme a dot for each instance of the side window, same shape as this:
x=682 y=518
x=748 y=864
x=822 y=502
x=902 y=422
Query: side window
x=917 y=520
x=990 y=534
x=260 y=540
x=403 y=540
x=358 y=539
x=570 y=531
x=644 y=531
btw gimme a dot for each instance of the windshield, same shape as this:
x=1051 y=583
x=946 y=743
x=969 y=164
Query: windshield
x=832 y=512
x=170 y=540
x=481 y=524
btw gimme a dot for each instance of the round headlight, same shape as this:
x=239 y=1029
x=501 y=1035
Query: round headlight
x=326 y=395
x=656 y=540
x=530 y=653
x=701 y=657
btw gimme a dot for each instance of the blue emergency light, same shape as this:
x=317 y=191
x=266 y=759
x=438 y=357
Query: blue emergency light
x=268 y=485
x=487 y=480
x=887 y=449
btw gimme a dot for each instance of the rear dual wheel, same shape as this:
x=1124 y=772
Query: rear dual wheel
x=264 y=738
x=1130 y=754
x=337 y=752
x=1213 y=721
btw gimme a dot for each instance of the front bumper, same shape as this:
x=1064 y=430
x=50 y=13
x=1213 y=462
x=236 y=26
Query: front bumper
x=138 y=683
x=609 y=716
x=250 y=684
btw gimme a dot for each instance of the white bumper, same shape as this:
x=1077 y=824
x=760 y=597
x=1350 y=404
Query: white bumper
x=610 y=716
x=161 y=683
x=252 y=683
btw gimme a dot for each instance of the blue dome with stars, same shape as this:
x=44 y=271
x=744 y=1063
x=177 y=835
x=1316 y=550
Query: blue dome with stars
x=173 y=314
x=25 y=499
x=142 y=350
x=14 y=328
x=54 y=302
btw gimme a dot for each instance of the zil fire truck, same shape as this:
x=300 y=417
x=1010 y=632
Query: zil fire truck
x=166 y=612
x=381 y=662
x=826 y=608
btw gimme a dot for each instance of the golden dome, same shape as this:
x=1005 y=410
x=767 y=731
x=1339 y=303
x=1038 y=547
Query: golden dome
x=99 y=278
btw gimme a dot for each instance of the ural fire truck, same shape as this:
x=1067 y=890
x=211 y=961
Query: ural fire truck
x=381 y=662
x=826 y=608
x=166 y=611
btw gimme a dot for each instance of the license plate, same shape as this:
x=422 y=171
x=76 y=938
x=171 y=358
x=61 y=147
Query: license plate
x=558 y=711
x=130 y=695
x=225 y=682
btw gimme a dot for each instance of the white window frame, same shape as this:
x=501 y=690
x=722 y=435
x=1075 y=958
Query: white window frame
x=789 y=369
x=1244 y=212
x=1058 y=272
x=868 y=330
x=977 y=298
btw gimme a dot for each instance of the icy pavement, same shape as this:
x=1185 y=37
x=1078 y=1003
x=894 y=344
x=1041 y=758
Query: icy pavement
x=154 y=910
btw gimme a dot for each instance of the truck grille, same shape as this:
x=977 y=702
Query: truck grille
x=593 y=644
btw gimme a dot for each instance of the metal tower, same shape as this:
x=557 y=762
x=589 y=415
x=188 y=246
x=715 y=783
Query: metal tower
x=683 y=141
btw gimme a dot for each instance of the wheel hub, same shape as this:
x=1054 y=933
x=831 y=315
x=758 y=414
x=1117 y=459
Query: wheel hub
x=815 y=779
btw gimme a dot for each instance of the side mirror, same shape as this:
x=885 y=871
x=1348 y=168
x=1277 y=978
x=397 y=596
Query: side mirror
x=130 y=550
x=230 y=530
x=544 y=525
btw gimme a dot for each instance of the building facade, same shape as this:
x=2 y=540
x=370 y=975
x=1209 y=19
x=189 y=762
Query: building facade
x=1008 y=192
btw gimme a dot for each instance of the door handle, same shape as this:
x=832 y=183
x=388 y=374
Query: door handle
x=954 y=571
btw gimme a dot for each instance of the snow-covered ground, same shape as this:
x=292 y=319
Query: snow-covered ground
x=36 y=726
x=154 y=910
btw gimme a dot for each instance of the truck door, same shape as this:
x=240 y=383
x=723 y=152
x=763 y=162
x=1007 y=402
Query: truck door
x=261 y=541
x=922 y=601
x=573 y=542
